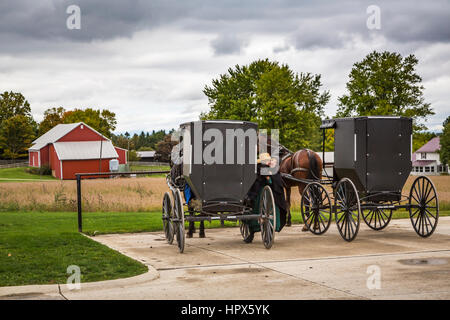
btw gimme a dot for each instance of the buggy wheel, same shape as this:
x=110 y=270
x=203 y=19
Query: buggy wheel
x=167 y=217
x=247 y=235
x=423 y=206
x=377 y=218
x=316 y=208
x=267 y=213
x=179 y=218
x=348 y=209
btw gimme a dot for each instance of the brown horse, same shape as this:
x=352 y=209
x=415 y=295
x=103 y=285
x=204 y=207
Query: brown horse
x=303 y=164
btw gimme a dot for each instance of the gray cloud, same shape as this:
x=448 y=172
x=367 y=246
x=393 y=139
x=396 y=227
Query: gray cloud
x=140 y=58
x=310 y=24
x=227 y=44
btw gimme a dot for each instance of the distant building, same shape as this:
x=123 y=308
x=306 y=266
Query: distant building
x=146 y=156
x=74 y=148
x=426 y=160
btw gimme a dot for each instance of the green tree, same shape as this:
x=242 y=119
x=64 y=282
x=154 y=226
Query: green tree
x=52 y=117
x=444 y=153
x=104 y=121
x=13 y=104
x=329 y=140
x=133 y=156
x=273 y=96
x=164 y=148
x=385 y=84
x=16 y=135
x=121 y=141
x=420 y=138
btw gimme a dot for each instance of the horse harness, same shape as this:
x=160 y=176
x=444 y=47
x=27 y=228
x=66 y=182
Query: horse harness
x=292 y=155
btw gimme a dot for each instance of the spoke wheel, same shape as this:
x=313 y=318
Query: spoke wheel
x=167 y=217
x=423 y=206
x=316 y=208
x=348 y=209
x=179 y=222
x=377 y=218
x=247 y=235
x=267 y=214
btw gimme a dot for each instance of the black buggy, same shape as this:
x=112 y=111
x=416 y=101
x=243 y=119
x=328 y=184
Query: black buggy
x=372 y=161
x=218 y=191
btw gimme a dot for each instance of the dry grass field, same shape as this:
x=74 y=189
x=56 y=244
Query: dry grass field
x=123 y=194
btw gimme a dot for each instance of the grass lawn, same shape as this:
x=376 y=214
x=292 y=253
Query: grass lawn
x=150 y=168
x=37 y=248
x=19 y=174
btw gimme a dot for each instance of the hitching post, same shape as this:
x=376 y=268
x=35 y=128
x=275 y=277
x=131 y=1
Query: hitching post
x=80 y=226
x=323 y=149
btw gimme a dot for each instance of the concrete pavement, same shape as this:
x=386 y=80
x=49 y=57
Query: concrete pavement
x=299 y=266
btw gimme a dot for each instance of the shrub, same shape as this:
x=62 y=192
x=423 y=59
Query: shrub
x=45 y=170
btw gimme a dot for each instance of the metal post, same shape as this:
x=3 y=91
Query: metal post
x=323 y=147
x=80 y=223
x=100 y=164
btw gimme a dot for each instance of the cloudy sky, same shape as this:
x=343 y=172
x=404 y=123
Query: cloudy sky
x=148 y=61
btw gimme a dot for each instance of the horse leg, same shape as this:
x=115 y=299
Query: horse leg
x=191 y=229
x=202 y=229
x=288 y=203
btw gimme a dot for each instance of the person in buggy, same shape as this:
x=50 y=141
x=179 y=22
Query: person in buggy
x=274 y=180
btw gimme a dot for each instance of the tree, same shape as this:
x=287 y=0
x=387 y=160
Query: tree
x=164 y=148
x=133 y=156
x=104 y=121
x=273 y=96
x=121 y=141
x=329 y=140
x=444 y=153
x=13 y=104
x=420 y=138
x=16 y=135
x=52 y=117
x=385 y=84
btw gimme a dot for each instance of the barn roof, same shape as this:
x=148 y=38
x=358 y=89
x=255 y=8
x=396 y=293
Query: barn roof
x=431 y=146
x=85 y=150
x=57 y=133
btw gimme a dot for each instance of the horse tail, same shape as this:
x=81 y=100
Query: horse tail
x=314 y=172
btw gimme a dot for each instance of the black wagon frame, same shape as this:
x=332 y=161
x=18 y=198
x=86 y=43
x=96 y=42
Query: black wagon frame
x=371 y=165
x=221 y=189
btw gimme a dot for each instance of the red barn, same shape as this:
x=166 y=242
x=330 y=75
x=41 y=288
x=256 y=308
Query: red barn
x=74 y=148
